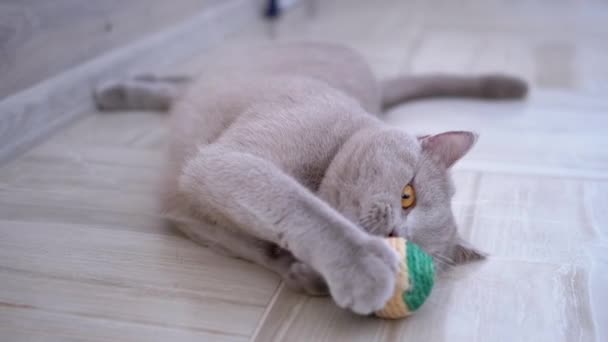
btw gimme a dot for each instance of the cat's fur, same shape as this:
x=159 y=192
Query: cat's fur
x=277 y=156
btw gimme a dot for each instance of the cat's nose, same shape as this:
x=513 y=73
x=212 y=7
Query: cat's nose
x=393 y=233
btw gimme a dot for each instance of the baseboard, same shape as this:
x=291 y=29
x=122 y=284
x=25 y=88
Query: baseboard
x=35 y=113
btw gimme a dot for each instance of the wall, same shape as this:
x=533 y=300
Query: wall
x=41 y=38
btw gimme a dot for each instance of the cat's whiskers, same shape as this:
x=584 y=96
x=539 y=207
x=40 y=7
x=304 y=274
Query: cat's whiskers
x=444 y=263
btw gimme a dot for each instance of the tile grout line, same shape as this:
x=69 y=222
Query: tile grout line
x=515 y=169
x=267 y=311
x=13 y=306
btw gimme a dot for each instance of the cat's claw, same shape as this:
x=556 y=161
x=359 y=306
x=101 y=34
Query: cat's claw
x=364 y=280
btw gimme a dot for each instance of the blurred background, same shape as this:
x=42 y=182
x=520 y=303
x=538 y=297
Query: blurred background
x=557 y=43
x=85 y=254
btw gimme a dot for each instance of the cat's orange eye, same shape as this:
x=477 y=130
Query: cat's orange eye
x=408 y=197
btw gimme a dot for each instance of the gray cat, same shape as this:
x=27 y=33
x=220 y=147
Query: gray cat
x=277 y=156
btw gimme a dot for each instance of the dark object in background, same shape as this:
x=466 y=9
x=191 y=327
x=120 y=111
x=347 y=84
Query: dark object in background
x=275 y=8
x=272 y=10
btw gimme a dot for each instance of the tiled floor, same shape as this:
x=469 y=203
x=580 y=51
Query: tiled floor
x=84 y=254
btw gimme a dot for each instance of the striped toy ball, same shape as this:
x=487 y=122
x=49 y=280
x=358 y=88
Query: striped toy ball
x=415 y=280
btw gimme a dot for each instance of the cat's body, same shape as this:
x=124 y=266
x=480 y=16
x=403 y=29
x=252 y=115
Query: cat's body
x=277 y=156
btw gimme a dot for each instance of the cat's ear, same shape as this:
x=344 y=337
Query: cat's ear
x=463 y=252
x=448 y=147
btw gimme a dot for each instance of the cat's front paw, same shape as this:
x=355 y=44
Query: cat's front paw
x=301 y=277
x=364 y=279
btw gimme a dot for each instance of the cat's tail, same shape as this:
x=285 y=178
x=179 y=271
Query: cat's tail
x=492 y=86
x=141 y=92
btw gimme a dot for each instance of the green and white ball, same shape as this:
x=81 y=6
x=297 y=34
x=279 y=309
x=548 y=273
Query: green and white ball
x=415 y=280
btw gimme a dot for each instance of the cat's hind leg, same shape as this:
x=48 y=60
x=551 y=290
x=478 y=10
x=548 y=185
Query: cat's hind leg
x=140 y=92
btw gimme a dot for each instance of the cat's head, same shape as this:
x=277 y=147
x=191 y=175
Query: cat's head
x=391 y=183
